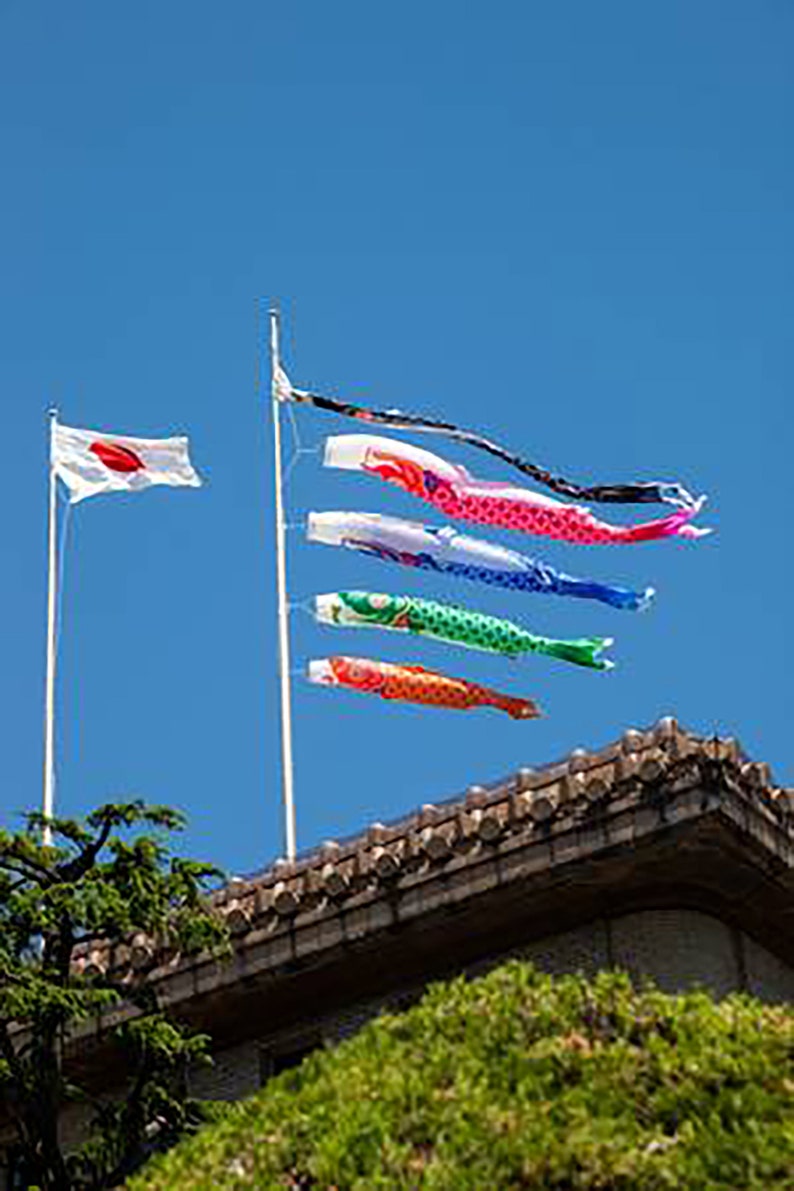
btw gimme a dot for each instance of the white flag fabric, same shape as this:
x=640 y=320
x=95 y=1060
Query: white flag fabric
x=282 y=387
x=89 y=462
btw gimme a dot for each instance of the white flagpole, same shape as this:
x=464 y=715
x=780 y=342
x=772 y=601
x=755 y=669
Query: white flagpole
x=48 y=800
x=283 y=608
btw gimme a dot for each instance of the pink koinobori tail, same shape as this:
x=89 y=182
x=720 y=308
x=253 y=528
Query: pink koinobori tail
x=450 y=489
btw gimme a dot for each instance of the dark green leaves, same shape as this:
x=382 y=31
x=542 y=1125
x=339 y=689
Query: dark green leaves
x=99 y=884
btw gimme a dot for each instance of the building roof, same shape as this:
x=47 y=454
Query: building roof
x=659 y=817
x=581 y=786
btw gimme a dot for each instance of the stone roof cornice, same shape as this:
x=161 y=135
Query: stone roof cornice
x=640 y=775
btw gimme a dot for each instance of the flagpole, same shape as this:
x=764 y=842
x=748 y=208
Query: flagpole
x=283 y=608
x=48 y=799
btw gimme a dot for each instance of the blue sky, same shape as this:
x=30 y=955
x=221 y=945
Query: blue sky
x=566 y=225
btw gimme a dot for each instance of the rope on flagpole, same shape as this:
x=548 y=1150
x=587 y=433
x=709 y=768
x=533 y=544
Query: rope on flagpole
x=48 y=795
x=287 y=773
x=64 y=538
x=298 y=449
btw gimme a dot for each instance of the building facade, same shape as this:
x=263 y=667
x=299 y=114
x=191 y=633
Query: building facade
x=666 y=854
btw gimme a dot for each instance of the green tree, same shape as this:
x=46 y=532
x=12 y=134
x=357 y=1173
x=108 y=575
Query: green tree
x=104 y=888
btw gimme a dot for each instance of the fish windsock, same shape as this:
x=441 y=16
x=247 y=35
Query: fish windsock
x=457 y=494
x=415 y=684
x=447 y=551
x=448 y=622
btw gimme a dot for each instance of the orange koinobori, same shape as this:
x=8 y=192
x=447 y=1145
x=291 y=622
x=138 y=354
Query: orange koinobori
x=415 y=684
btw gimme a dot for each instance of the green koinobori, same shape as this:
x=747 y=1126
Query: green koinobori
x=450 y=622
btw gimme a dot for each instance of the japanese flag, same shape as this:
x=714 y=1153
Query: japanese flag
x=89 y=462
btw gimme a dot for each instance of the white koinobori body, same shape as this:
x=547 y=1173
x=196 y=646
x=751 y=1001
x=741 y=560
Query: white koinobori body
x=444 y=549
x=410 y=537
x=356 y=452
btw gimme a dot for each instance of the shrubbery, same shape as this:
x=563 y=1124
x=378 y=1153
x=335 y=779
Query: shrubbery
x=517 y=1080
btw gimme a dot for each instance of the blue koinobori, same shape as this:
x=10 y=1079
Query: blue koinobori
x=448 y=552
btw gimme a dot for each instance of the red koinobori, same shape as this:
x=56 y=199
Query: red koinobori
x=453 y=491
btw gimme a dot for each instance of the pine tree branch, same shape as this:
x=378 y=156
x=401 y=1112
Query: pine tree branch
x=85 y=861
x=33 y=872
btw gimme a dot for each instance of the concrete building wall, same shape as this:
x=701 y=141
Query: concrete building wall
x=767 y=976
x=235 y=1073
x=585 y=949
x=678 y=949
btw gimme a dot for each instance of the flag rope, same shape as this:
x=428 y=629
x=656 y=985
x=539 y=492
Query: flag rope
x=62 y=543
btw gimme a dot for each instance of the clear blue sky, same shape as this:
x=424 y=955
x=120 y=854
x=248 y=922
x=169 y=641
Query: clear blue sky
x=566 y=224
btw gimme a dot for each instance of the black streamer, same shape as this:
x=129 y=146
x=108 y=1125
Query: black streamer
x=637 y=493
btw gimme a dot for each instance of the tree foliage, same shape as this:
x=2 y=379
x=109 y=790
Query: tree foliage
x=98 y=885
x=514 y=1081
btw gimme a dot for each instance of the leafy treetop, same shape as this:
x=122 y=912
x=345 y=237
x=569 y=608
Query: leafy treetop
x=97 y=885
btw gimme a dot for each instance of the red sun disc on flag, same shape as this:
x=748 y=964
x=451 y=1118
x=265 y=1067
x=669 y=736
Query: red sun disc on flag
x=116 y=457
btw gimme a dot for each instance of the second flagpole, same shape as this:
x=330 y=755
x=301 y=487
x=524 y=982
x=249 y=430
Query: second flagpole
x=282 y=604
x=48 y=797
